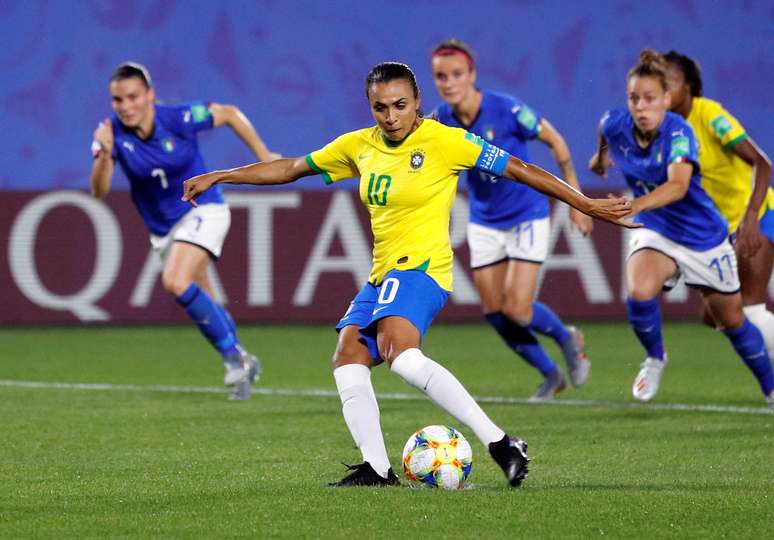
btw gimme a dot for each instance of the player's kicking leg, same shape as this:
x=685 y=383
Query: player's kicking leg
x=406 y=307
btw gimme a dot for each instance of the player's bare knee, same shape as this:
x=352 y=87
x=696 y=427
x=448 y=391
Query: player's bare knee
x=726 y=309
x=730 y=319
x=343 y=355
x=350 y=350
x=174 y=284
x=520 y=313
x=642 y=294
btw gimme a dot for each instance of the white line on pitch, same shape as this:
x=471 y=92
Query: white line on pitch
x=388 y=396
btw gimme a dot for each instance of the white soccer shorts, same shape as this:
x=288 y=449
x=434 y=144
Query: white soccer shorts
x=714 y=268
x=527 y=241
x=205 y=226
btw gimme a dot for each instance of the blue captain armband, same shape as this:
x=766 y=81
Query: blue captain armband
x=492 y=159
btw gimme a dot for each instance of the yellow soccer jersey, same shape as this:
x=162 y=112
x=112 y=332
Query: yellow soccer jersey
x=408 y=189
x=726 y=177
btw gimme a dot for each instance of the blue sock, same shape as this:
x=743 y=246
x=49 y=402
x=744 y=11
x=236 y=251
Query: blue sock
x=748 y=343
x=520 y=339
x=645 y=320
x=211 y=319
x=545 y=321
x=229 y=320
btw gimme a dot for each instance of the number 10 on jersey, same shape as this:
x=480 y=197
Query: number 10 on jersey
x=377 y=189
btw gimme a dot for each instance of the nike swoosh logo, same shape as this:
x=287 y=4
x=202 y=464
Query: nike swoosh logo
x=377 y=310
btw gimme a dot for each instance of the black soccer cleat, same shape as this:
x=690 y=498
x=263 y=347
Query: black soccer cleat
x=365 y=475
x=511 y=456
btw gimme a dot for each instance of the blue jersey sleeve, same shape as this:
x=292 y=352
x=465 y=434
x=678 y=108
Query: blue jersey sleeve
x=526 y=121
x=682 y=145
x=194 y=117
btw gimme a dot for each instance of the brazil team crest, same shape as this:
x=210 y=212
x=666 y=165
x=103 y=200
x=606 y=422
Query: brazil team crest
x=417 y=159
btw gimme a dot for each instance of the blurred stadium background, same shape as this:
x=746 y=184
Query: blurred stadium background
x=296 y=69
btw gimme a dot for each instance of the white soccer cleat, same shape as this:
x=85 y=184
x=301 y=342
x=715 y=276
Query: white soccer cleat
x=770 y=399
x=241 y=367
x=235 y=372
x=241 y=371
x=578 y=362
x=648 y=379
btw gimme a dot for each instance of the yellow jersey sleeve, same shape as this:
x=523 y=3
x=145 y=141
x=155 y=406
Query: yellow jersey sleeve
x=723 y=125
x=460 y=149
x=336 y=160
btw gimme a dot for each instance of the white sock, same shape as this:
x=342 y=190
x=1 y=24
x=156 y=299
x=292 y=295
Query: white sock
x=361 y=413
x=764 y=321
x=447 y=392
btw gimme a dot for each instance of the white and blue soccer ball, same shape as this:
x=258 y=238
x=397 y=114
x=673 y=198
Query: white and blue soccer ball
x=438 y=456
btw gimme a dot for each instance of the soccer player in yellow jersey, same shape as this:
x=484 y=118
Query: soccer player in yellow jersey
x=408 y=168
x=737 y=175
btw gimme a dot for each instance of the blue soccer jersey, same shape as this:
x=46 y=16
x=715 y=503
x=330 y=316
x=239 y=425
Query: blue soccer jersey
x=507 y=123
x=158 y=166
x=693 y=221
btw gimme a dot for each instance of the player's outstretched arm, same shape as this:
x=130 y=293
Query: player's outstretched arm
x=280 y=171
x=234 y=118
x=613 y=209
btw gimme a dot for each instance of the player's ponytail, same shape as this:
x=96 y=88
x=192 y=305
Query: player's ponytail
x=650 y=64
x=690 y=68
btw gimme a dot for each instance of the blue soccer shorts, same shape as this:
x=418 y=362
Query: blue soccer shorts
x=410 y=294
x=767 y=224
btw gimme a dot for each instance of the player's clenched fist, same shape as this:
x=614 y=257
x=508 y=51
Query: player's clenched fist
x=103 y=136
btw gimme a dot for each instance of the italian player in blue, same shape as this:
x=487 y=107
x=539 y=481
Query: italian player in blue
x=157 y=148
x=408 y=168
x=508 y=232
x=683 y=234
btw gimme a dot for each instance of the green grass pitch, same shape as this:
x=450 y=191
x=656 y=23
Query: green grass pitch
x=135 y=459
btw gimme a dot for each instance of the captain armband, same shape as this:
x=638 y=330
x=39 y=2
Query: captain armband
x=492 y=159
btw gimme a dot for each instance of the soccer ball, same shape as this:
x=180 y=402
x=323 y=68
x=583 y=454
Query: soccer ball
x=438 y=456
